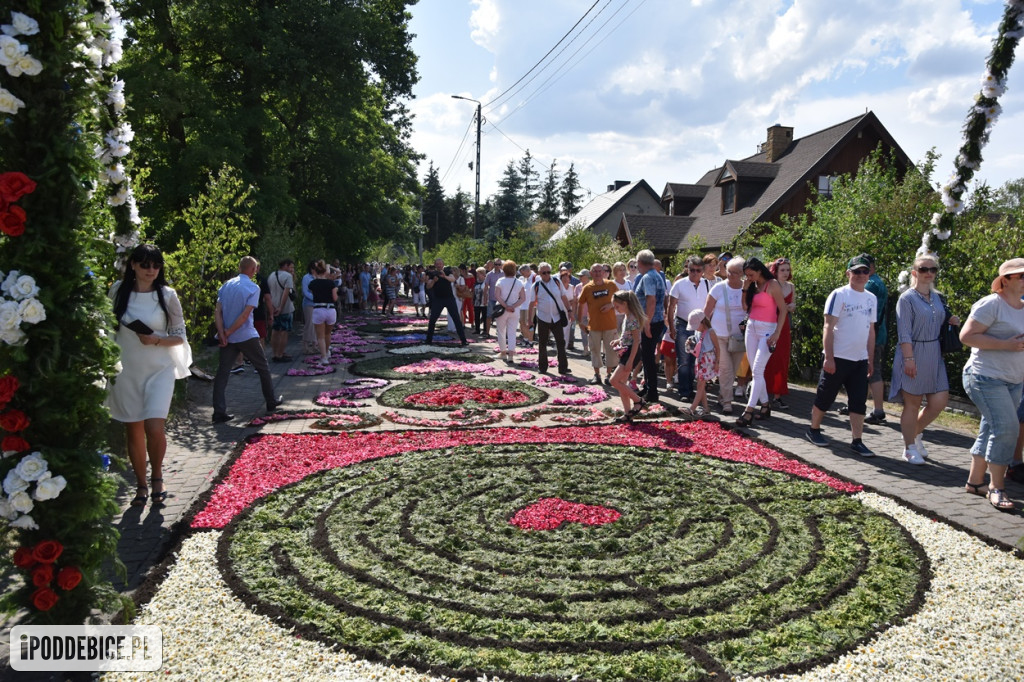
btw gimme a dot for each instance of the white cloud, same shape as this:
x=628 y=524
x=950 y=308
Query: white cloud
x=485 y=22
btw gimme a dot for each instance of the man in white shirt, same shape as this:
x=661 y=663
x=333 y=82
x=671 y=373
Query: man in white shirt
x=849 y=342
x=550 y=298
x=282 y=284
x=687 y=294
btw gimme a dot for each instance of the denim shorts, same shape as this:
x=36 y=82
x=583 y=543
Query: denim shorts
x=999 y=402
x=283 y=322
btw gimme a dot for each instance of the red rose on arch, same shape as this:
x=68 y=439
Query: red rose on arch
x=14 y=420
x=42 y=575
x=14 y=444
x=8 y=387
x=23 y=558
x=47 y=551
x=15 y=185
x=68 y=578
x=12 y=221
x=44 y=599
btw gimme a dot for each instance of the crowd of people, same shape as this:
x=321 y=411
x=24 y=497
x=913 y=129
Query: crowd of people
x=721 y=319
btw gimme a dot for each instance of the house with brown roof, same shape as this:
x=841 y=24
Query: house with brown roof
x=778 y=180
x=604 y=212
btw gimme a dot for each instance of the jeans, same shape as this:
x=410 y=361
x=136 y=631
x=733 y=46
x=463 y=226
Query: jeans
x=685 y=370
x=253 y=351
x=998 y=401
x=648 y=346
x=757 y=355
x=437 y=306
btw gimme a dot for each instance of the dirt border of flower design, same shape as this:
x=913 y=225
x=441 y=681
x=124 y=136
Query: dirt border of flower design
x=368 y=367
x=395 y=396
x=278 y=615
x=366 y=419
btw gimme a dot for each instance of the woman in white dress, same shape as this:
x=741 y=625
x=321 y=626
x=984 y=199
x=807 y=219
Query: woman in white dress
x=154 y=352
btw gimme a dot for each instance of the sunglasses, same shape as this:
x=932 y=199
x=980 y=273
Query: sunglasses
x=150 y=266
x=545 y=272
x=696 y=269
x=934 y=270
x=860 y=271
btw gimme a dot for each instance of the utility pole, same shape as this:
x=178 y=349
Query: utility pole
x=476 y=203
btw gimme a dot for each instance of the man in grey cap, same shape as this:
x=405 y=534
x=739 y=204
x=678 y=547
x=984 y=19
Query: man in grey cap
x=848 y=339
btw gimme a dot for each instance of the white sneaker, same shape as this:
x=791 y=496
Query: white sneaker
x=919 y=444
x=911 y=455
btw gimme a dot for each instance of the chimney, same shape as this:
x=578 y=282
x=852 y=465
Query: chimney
x=779 y=139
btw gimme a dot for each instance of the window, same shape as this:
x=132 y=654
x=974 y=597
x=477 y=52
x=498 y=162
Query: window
x=825 y=184
x=728 y=197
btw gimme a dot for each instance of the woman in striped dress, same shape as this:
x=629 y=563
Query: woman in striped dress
x=918 y=370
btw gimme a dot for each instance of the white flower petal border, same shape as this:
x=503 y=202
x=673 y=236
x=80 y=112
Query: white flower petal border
x=966 y=628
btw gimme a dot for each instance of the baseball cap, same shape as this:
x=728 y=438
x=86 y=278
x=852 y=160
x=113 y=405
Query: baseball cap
x=861 y=261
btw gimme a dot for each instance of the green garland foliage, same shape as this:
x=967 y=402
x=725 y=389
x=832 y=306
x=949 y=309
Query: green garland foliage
x=62 y=362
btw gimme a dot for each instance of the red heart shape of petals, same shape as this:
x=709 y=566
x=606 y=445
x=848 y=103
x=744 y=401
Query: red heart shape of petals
x=549 y=513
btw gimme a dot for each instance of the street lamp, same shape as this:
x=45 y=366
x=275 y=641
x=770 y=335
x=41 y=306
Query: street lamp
x=476 y=204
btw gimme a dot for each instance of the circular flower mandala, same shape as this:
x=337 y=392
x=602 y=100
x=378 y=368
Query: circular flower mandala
x=536 y=560
x=433 y=395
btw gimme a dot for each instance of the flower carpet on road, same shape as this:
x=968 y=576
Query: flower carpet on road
x=437 y=395
x=660 y=551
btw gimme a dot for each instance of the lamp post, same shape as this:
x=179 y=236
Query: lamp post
x=476 y=203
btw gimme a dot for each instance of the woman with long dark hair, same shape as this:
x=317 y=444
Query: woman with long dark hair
x=766 y=315
x=154 y=352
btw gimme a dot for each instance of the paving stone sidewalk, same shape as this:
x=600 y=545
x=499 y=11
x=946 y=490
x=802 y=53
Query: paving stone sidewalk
x=197 y=449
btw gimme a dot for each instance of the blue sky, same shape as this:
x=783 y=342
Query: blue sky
x=665 y=90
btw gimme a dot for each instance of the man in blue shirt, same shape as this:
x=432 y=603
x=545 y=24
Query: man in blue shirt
x=650 y=289
x=236 y=300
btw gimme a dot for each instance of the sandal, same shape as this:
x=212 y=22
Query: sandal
x=975 y=489
x=764 y=412
x=745 y=420
x=700 y=413
x=686 y=414
x=998 y=499
x=637 y=408
x=158 y=497
x=141 y=495
x=624 y=419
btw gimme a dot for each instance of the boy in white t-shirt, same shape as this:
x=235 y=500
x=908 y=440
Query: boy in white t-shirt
x=849 y=341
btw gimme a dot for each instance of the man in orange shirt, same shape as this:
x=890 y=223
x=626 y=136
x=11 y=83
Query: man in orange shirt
x=597 y=297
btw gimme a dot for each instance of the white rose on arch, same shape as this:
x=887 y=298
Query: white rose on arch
x=21 y=24
x=49 y=487
x=13 y=337
x=25 y=522
x=9 y=104
x=21 y=286
x=25 y=64
x=22 y=502
x=10 y=50
x=14 y=483
x=31 y=311
x=32 y=467
x=6 y=510
x=10 y=317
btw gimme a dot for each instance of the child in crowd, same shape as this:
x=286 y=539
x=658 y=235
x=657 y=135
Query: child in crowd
x=667 y=348
x=627 y=346
x=706 y=367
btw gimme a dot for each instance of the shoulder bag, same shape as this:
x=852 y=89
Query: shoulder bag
x=291 y=292
x=735 y=343
x=949 y=335
x=499 y=309
x=563 y=319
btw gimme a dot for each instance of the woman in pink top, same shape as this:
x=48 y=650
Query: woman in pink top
x=766 y=311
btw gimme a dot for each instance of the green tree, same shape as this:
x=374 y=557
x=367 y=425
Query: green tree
x=219 y=220
x=547 y=208
x=510 y=212
x=1010 y=196
x=459 y=207
x=303 y=98
x=530 y=189
x=435 y=210
x=569 y=193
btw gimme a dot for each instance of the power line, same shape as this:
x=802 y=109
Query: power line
x=459 y=150
x=546 y=54
x=555 y=58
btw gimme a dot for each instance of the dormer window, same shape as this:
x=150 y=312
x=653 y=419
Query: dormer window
x=729 y=197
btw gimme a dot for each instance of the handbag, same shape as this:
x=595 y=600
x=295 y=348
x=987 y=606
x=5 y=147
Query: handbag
x=499 y=309
x=949 y=335
x=735 y=343
x=292 y=296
